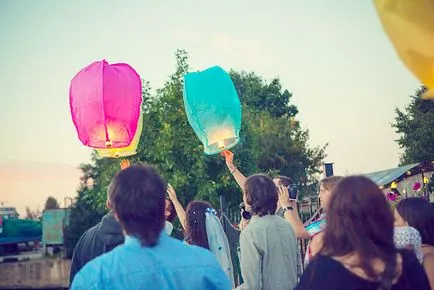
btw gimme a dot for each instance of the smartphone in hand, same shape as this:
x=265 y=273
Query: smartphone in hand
x=293 y=192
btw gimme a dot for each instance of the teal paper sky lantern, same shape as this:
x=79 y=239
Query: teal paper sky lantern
x=213 y=108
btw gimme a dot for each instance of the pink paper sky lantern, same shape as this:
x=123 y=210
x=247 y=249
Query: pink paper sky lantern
x=105 y=104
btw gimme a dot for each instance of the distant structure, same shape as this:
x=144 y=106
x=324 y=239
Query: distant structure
x=328 y=169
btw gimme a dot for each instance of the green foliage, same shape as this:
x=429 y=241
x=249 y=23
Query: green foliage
x=51 y=203
x=416 y=126
x=271 y=141
x=262 y=96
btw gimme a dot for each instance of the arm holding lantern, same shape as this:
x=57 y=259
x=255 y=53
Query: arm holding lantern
x=125 y=164
x=178 y=207
x=239 y=177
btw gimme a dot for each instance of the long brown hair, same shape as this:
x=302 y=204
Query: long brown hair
x=330 y=182
x=195 y=232
x=359 y=221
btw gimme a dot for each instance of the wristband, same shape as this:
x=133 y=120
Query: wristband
x=288 y=208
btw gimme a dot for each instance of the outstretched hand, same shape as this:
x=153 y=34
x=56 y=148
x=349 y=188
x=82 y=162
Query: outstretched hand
x=171 y=192
x=229 y=157
x=125 y=164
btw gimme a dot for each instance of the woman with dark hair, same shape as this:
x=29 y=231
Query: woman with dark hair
x=202 y=228
x=419 y=214
x=268 y=246
x=195 y=227
x=358 y=250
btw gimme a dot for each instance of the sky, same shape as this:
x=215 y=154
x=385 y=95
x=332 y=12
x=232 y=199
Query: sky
x=332 y=55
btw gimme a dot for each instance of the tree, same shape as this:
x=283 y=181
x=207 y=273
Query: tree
x=270 y=141
x=51 y=203
x=416 y=126
x=32 y=214
x=262 y=96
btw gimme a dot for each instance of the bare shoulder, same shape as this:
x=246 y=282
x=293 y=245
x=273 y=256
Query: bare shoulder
x=428 y=260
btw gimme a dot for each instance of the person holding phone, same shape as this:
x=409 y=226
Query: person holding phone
x=313 y=229
x=284 y=181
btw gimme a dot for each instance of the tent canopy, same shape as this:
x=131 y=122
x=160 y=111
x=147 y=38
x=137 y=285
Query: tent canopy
x=385 y=177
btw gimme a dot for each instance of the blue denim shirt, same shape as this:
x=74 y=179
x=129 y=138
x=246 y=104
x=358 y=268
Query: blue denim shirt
x=169 y=265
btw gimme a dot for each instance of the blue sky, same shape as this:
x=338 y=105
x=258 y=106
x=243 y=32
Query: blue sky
x=333 y=55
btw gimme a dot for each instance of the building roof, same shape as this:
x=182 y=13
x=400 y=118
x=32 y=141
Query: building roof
x=386 y=177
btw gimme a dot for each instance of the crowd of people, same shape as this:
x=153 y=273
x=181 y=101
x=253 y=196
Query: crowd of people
x=355 y=242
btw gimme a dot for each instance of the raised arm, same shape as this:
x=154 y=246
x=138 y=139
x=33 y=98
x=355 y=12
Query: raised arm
x=178 y=207
x=292 y=215
x=125 y=163
x=239 y=177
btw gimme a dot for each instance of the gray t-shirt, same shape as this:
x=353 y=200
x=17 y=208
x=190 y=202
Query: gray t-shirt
x=268 y=254
x=281 y=212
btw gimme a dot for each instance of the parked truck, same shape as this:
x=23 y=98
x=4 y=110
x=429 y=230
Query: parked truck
x=15 y=232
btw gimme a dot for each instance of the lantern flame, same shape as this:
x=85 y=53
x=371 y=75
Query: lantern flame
x=220 y=139
x=123 y=151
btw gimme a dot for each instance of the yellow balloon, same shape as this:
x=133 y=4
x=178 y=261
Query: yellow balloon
x=410 y=27
x=125 y=151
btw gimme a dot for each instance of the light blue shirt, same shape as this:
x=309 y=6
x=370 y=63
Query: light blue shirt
x=169 y=265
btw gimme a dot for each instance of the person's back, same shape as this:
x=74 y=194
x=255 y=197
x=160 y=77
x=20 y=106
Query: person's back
x=406 y=237
x=273 y=239
x=326 y=273
x=268 y=247
x=419 y=213
x=96 y=241
x=149 y=258
x=358 y=251
x=168 y=265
